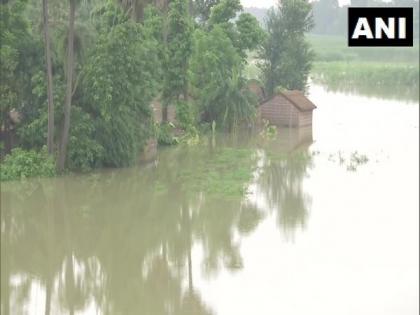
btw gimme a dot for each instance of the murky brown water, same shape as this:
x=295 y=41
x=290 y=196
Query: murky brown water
x=322 y=223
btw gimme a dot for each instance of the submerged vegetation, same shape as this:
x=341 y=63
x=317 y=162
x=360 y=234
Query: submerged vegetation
x=351 y=162
x=85 y=84
x=369 y=71
x=371 y=79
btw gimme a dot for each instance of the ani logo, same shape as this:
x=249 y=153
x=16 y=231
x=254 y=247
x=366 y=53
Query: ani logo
x=380 y=27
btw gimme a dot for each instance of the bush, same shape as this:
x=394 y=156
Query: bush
x=21 y=164
x=84 y=151
x=165 y=134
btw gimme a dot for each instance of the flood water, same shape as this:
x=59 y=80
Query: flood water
x=311 y=222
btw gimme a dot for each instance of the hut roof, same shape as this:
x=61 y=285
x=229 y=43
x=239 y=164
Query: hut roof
x=299 y=100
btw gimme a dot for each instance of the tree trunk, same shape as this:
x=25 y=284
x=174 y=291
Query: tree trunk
x=69 y=87
x=165 y=113
x=50 y=135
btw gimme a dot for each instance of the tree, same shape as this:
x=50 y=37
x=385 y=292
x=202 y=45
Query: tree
x=136 y=8
x=20 y=58
x=178 y=52
x=250 y=35
x=203 y=8
x=121 y=79
x=69 y=88
x=218 y=86
x=219 y=56
x=286 y=56
x=50 y=134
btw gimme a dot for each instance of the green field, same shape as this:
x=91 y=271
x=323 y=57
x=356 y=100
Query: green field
x=380 y=79
x=334 y=48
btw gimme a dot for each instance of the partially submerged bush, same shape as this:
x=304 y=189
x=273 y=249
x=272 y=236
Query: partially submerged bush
x=21 y=164
x=165 y=134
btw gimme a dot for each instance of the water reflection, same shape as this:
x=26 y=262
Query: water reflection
x=121 y=242
x=288 y=161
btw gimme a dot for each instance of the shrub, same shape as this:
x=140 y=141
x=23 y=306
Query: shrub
x=21 y=164
x=84 y=151
x=165 y=134
x=186 y=121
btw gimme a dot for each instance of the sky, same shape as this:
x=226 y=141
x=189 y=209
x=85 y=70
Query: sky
x=270 y=3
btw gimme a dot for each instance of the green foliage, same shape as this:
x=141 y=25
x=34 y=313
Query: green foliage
x=119 y=70
x=243 y=29
x=178 y=51
x=186 y=118
x=84 y=151
x=32 y=131
x=225 y=11
x=121 y=79
x=165 y=134
x=22 y=164
x=250 y=34
x=20 y=53
x=285 y=54
x=218 y=86
x=202 y=9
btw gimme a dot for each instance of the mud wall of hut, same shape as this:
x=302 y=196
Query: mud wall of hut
x=279 y=111
x=305 y=118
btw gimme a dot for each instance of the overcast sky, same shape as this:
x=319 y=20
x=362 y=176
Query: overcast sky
x=270 y=3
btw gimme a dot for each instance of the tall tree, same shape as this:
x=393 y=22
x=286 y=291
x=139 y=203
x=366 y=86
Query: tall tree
x=219 y=55
x=178 y=51
x=69 y=87
x=50 y=134
x=286 y=55
x=202 y=9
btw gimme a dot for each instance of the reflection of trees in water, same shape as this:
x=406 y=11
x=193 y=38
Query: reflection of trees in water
x=286 y=163
x=123 y=240
x=115 y=239
x=85 y=248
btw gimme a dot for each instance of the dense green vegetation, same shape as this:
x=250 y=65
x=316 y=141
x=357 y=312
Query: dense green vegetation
x=22 y=164
x=79 y=76
x=286 y=56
